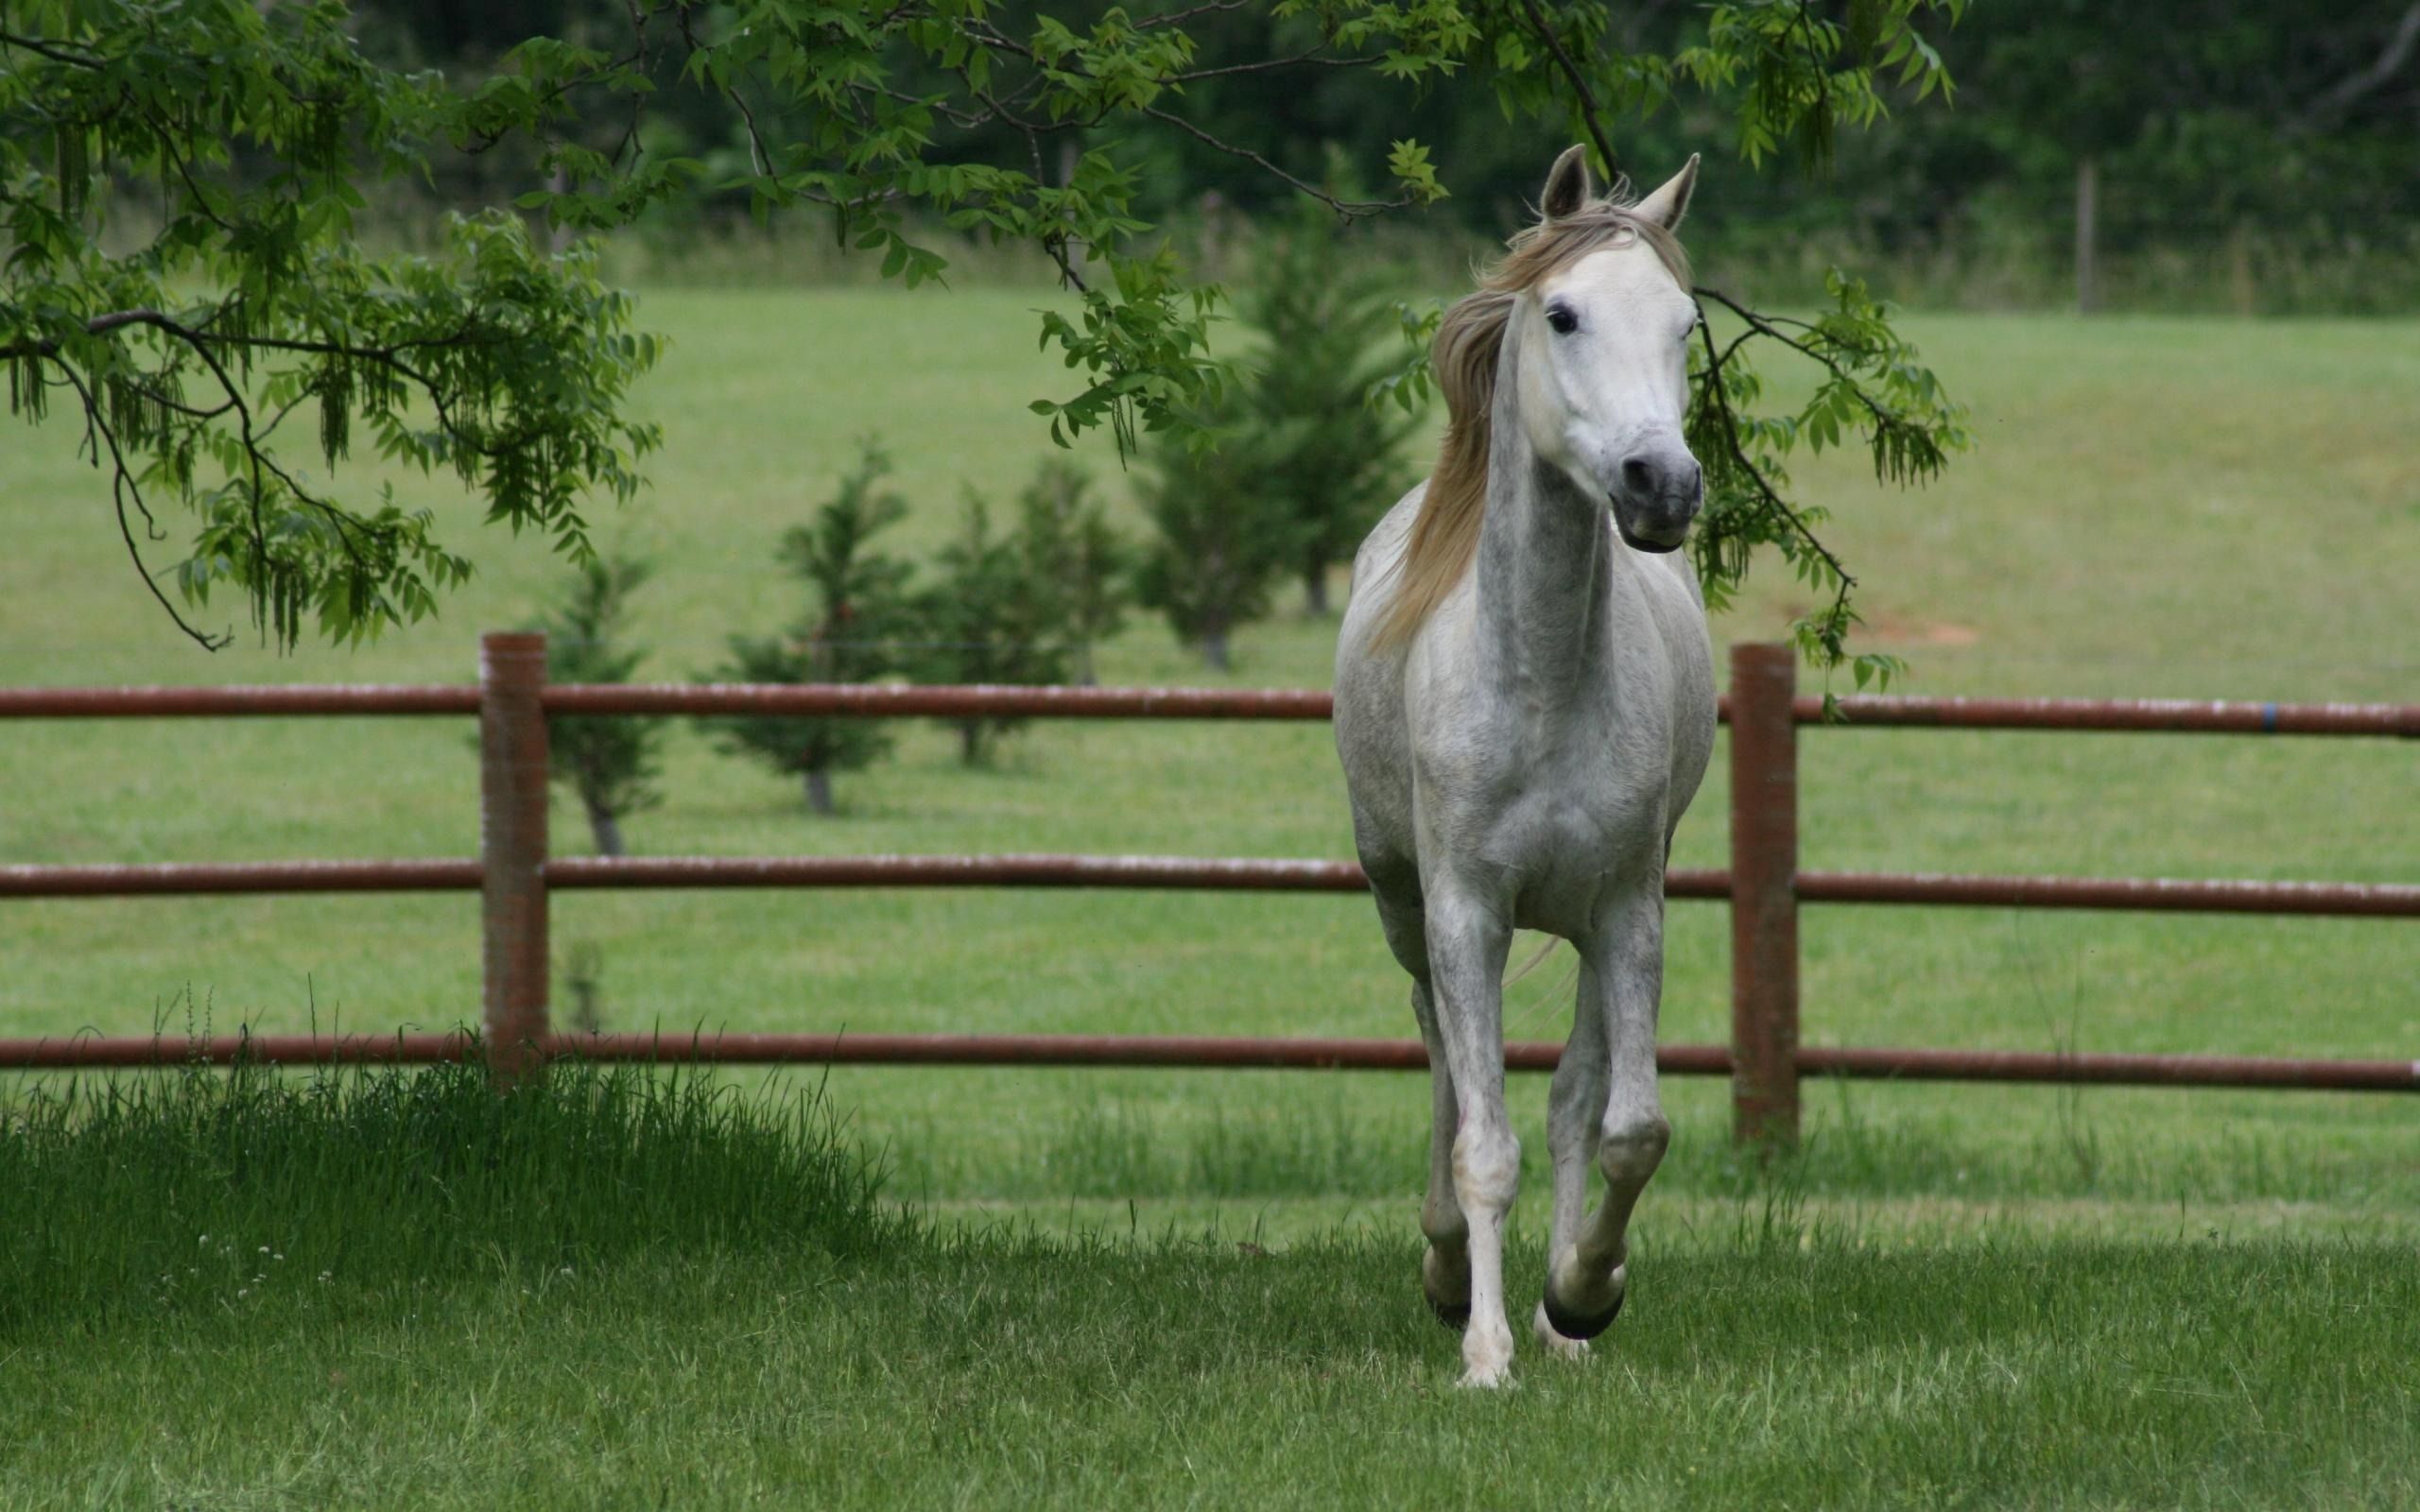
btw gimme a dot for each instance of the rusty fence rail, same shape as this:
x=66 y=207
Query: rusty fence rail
x=2345 y=899
x=1197 y=1051
x=515 y=875
x=891 y=701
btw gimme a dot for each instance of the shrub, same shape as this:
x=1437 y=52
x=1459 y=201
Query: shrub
x=1066 y=542
x=1329 y=330
x=857 y=617
x=1223 y=537
x=612 y=762
x=990 y=618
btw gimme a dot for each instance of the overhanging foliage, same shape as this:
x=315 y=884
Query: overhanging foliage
x=510 y=367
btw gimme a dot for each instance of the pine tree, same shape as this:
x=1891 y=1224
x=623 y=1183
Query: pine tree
x=858 y=617
x=1329 y=330
x=1067 y=544
x=1224 y=537
x=993 y=617
x=611 y=763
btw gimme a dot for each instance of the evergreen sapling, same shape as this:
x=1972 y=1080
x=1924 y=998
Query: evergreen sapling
x=610 y=762
x=858 y=617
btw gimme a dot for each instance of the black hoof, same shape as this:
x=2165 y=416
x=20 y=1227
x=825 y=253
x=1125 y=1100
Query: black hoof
x=1455 y=1316
x=1576 y=1326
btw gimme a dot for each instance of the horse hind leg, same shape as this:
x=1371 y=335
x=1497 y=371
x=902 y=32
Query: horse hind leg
x=1446 y=1266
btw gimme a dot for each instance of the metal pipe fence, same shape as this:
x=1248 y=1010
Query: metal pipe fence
x=516 y=874
x=1201 y=1052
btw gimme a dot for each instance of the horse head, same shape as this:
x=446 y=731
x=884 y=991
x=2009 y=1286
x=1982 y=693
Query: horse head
x=1604 y=340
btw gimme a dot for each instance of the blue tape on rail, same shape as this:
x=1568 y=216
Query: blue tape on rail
x=2269 y=718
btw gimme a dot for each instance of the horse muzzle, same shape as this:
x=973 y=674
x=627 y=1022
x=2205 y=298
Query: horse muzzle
x=1660 y=491
x=1651 y=543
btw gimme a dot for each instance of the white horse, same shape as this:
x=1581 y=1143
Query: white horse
x=1524 y=706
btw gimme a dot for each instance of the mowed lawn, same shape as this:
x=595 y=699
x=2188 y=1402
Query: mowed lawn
x=1969 y=1295
x=391 y=1290
x=2222 y=509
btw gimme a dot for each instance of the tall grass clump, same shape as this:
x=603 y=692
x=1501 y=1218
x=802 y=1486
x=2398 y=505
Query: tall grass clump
x=138 y=1195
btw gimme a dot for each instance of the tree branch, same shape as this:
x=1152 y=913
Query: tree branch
x=1721 y=399
x=1762 y=326
x=1314 y=57
x=2350 y=90
x=52 y=51
x=122 y=483
x=1591 y=115
x=1350 y=209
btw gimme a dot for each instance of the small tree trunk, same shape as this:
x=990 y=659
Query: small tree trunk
x=1315 y=590
x=1069 y=155
x=970 y=742
x=2240 y=282
x=605 y=828
x=2087 y=234
x=558 y=235
x=1213 y=646
x=1085 y=676
x=819 y=790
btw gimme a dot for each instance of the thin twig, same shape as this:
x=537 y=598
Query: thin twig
x=1590 y=112
x=1349 y=209
x=1721 y=399
x=1762 y=326
x=1314 y=58
x=121 y=483
x=52 y=51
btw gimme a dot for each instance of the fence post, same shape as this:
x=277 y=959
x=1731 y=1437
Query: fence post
x=1764 y=895
x=513 y=850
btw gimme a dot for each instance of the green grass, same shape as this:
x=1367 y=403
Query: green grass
x=611 y=1289
x=2004 y=1295
x=1007 y=1373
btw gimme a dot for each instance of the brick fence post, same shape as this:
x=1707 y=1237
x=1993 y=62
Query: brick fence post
x=513 y=850
x=1764 y=895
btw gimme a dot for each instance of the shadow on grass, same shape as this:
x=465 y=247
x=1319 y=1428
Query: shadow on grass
x=150 y=1193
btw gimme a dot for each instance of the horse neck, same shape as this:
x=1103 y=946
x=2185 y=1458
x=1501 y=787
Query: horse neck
x=1543 y=562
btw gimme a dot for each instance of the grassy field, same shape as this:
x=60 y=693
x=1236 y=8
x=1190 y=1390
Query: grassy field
x=388 y=1290
x=2157 y=508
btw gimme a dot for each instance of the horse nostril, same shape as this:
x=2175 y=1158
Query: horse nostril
x=1692 y=480
x=1638 y=475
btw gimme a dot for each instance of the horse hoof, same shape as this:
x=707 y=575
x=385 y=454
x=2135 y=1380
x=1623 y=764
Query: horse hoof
x=1579 y=1326
x=1440 y=1282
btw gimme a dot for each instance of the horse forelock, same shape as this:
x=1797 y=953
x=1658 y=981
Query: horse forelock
x=1465 y=356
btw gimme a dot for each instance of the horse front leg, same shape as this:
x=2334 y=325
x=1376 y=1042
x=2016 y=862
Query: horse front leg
x=1586 y=1278
x=1466 y=947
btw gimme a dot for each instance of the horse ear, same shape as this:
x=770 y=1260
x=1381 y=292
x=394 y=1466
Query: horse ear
x=1667 y=205
x=1567 y=186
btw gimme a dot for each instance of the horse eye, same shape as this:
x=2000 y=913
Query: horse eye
x=1563 y=321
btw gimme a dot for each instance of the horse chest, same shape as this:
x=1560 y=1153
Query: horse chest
x=1562 y=820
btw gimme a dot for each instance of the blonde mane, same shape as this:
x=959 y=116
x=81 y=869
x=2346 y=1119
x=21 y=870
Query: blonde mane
x=1470 y=340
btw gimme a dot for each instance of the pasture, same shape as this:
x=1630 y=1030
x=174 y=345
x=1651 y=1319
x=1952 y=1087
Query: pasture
x=1198 y=1287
